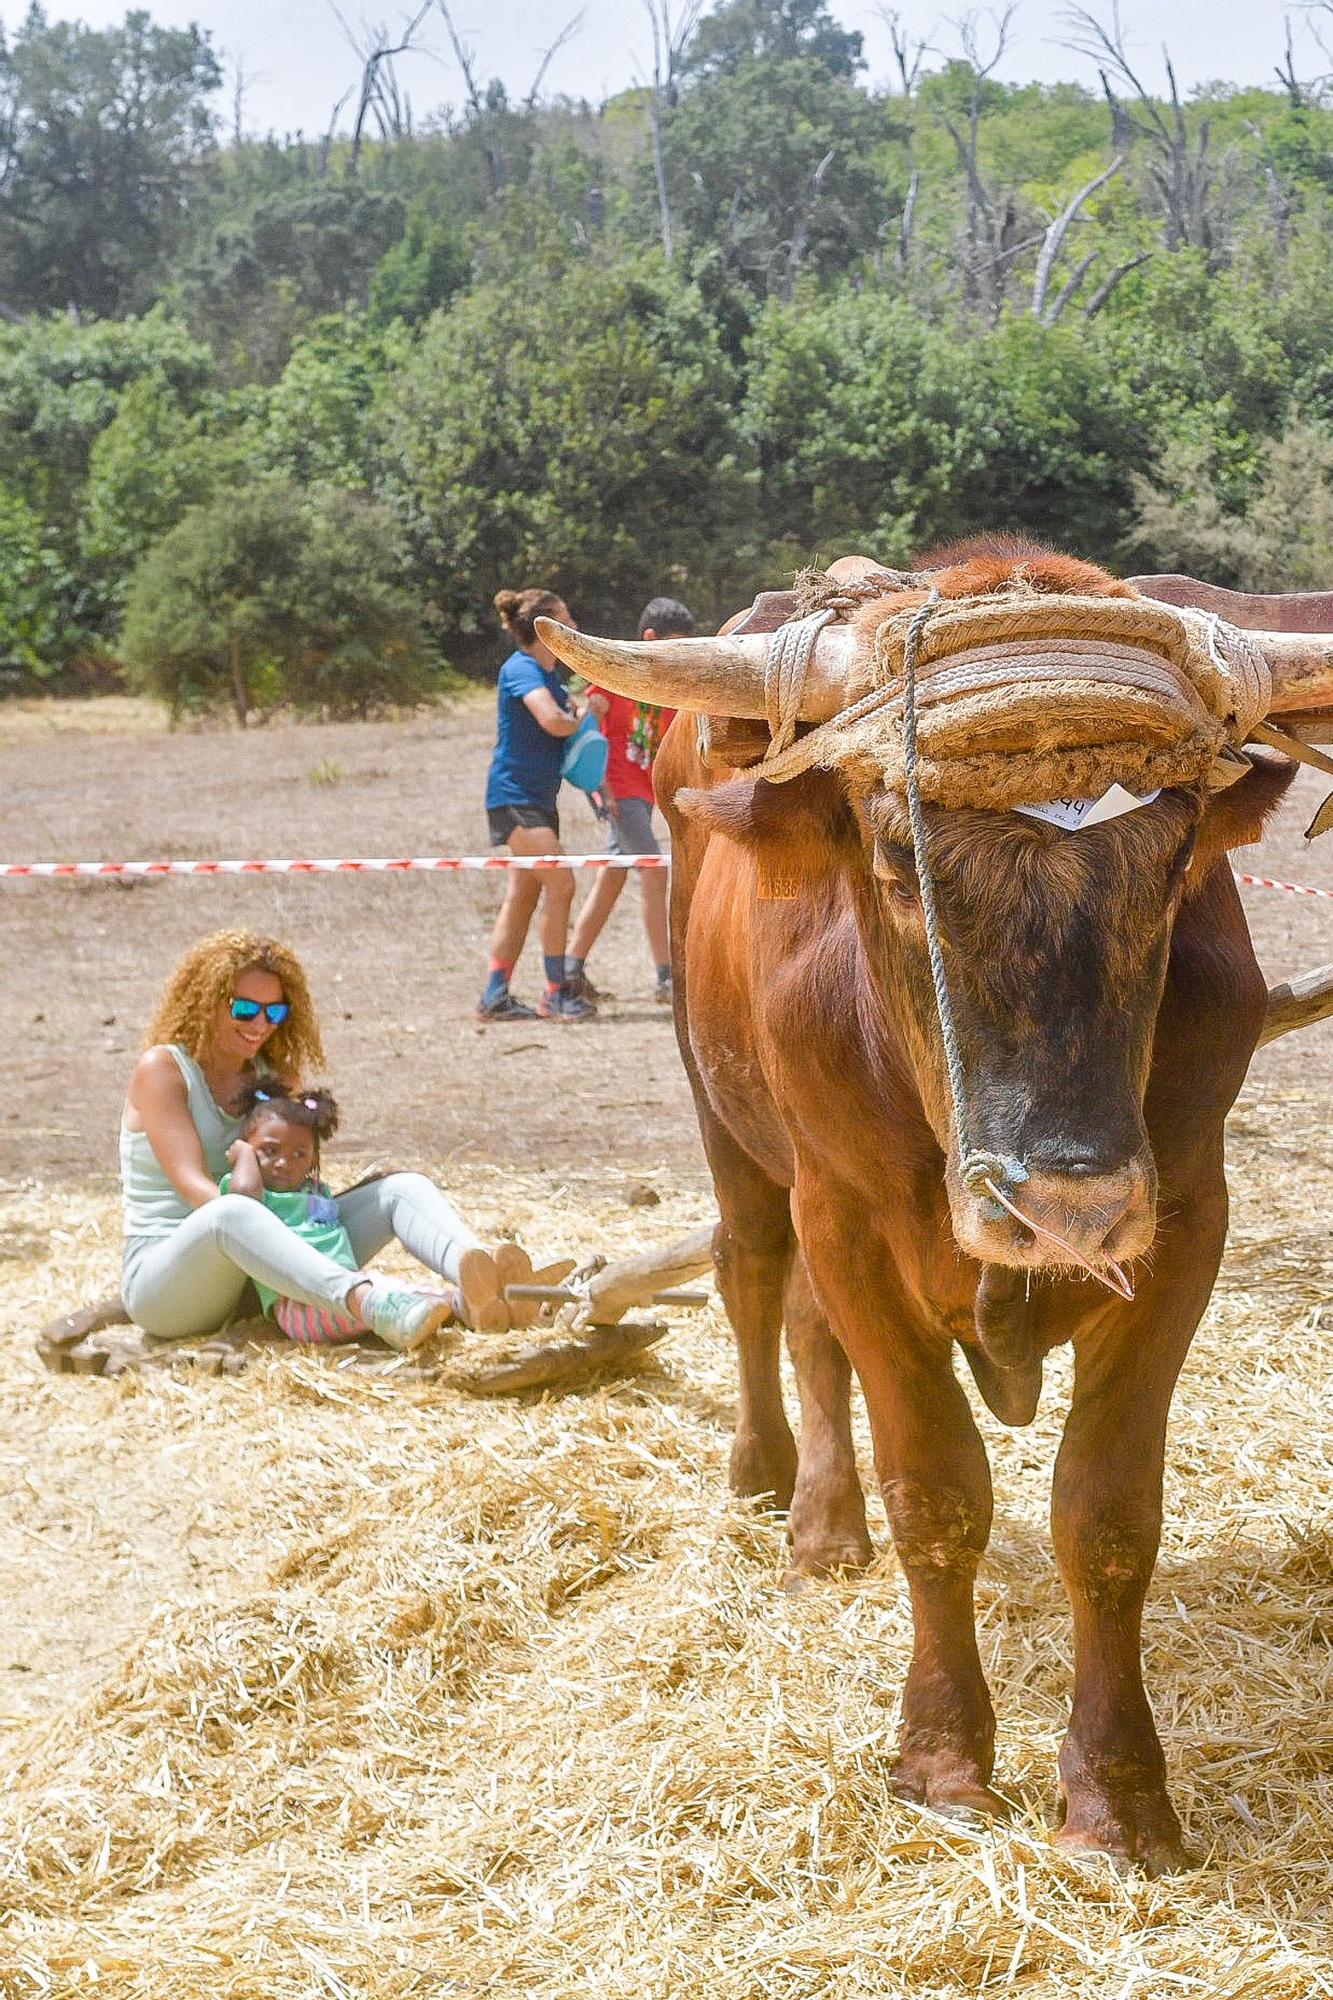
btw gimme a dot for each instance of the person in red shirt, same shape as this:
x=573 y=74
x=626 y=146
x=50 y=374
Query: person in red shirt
x=633 y=730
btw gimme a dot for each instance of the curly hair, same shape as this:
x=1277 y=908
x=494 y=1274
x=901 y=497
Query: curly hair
x=203 y=982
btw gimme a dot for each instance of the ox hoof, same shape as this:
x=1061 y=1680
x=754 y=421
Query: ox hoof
x=813 y=1561
x=951 y=1792
x=764 y=1471
x=1143 y=1838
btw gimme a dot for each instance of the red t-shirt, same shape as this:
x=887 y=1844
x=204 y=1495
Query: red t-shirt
x=633 y=731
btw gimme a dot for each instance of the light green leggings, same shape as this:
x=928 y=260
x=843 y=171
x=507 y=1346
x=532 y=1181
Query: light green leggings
x=190 y=1282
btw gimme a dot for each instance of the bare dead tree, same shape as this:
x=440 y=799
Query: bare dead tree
x=379 y=95
x=1285 y=71
x=239 y=80
x=482 y=110
x=907 y=219
x=567 y=34
x=1053 y=242
x=1109 y=283
x=1314 y=8
x=1179 y=165
x=671 y=31
x=466 y=65
x=990 y=221
x=330 y=134
x=909 y=53
x=797 y=246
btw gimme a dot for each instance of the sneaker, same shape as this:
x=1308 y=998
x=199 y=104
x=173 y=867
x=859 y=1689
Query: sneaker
x=505 y=1008
x=562 y=1005
x=481 y=1290
x=403 y=1319
x=663 y=992
x=580 y=987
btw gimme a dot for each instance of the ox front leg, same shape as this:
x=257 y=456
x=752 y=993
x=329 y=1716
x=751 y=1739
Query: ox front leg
x=937 y=1492
x=828 y=1511
x=935 y=1479
x=1106 y=1519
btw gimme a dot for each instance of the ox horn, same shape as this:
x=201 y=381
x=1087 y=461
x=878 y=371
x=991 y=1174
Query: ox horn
x=722 y=676
x=1301 y=664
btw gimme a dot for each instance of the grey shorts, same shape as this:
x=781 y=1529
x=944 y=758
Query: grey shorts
x=630 y=830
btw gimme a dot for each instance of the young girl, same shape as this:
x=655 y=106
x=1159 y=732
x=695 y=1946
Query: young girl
x=275 y=1159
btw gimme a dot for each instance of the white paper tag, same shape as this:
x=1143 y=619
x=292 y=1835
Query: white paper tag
x=1072 y=814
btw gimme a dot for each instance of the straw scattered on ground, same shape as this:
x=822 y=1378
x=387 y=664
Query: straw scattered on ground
x=323 y=1684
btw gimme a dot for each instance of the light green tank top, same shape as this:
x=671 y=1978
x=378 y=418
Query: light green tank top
x=153 y=1208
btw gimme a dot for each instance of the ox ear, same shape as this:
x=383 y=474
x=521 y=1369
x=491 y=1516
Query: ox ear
x=1235 y=817
x=809 y=813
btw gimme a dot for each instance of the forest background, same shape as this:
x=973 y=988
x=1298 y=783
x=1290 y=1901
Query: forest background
x=278 y=415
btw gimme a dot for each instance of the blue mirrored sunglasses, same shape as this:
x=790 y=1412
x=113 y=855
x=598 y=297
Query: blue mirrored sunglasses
x=274 y=1011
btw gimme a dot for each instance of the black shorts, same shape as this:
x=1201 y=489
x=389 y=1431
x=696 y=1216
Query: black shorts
x=503 y=820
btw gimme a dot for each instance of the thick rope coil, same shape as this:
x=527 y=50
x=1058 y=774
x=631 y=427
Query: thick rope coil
x=790 y=651
x=1149 y=694
x=1240 y=661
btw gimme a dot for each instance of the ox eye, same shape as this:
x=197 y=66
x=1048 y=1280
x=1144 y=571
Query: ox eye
x=895 y=869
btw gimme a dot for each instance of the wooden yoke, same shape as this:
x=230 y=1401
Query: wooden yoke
x=1298 y=1003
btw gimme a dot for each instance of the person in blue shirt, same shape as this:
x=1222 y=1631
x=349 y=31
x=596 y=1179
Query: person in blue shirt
x=535 y=718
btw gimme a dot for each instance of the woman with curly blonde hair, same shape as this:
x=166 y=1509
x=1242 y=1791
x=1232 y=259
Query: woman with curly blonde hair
x=189 y=1249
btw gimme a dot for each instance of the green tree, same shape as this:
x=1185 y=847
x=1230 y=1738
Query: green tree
x=31 y=594
x=276 y=262
x=362 y=640
x=422 y=270
x=745 y=31
x=874 y=428
x=1282 y=539
x=774 y=165
x=580 y=432
x=102 y=135
x=155 y=458
x=317 y=424
x=61 y=386
x=262 y=598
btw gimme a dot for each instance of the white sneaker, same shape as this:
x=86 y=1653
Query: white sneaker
x=404 y=1319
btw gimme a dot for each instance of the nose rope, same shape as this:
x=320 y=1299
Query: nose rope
x=1112 y=1276
x=977 y=1170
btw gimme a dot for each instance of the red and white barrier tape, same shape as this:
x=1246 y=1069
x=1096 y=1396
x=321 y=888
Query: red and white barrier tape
x=430 y=864
x=1292 y=888
x=420 y=864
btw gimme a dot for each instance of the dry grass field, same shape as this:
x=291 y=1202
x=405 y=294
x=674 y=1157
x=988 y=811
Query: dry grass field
x=316 y=1682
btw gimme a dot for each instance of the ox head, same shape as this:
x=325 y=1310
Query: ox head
x=1056 y=944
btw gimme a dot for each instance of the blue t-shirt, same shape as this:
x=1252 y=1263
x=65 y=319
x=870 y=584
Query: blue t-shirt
x=525 y=764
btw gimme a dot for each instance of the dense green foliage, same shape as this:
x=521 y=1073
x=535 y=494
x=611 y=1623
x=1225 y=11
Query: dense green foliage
x=277 y=418
x=261 y=597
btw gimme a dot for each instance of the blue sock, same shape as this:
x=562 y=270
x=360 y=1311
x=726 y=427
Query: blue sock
x=555 y=968
x=573 y=966
x=497 y=985
x=663 y=974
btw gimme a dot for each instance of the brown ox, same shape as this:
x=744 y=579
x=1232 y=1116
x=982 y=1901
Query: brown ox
x=1108 y=1001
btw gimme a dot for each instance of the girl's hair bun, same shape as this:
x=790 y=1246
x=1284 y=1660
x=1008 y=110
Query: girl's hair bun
x=316 y=1109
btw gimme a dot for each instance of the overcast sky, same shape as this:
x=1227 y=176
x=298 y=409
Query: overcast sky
x=297 y=64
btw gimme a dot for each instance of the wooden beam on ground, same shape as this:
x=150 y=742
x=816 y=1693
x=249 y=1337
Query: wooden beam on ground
x=634 y=1281
x=1298 y=1003
x=560 y=1364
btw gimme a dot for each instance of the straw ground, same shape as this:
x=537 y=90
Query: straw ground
x=320 y=1684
